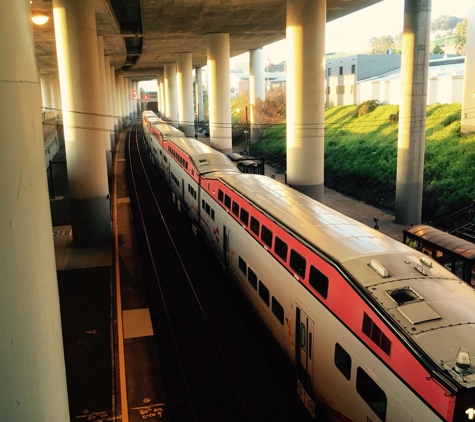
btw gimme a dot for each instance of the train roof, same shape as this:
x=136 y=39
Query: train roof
x=429 y=303
x=166 y=130
x=205 y=158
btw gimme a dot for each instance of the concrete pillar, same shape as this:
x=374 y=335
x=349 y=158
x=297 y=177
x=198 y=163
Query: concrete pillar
x=55 y=94
x=171 y=95
x=306 y=95
x=468 y=100
x=104 y=106
x=31 y=347
x=84 y=141
x=159 y=100
x=219 y=93
x=115 y=104
x=119 y=99
x=135 y=97
x=128 y=97
x=163 y=110
x=257 y=90
x=200 y=115
x=125 y=99
x=184 y=77
x=109 y=112
x=412 y=111
x=46 y=93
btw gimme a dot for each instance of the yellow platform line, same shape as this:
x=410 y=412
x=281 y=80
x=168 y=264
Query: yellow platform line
x=120 y=327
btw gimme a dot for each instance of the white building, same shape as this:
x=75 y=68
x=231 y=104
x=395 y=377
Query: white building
x=445 y=84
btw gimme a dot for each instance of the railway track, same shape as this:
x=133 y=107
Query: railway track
x=218 y=361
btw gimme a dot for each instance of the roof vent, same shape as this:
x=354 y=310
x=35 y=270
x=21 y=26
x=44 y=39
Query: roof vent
x=404 y=295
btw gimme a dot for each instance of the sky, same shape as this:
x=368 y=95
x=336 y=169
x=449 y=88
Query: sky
x=352 y=33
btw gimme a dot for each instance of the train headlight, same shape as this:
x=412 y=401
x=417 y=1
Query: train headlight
x=463 y=364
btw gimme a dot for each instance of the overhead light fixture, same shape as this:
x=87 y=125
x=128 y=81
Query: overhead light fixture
x=39 y=17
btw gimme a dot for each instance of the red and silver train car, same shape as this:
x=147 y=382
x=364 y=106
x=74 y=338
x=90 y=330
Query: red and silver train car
x=377 y=332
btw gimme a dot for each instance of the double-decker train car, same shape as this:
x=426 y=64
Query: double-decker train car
x=377 y=331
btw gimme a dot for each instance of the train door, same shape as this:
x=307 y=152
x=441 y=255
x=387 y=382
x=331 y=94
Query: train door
x=183 y=201
x=304 y=341
x=226 y=234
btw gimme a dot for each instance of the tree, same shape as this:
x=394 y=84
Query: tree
x=272 y=111
x=461 y=37
x=382 y=44
x=437 y=49
x=444 y=23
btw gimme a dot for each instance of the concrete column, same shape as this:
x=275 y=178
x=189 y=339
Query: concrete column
x=200 y=115
x=163 y=110
x=159 y=102
x=109 y=112
x=184 y=76
x=306 y=95
x=219 y=94
x=46 y=93
x=412 y=111
x=104 y=106
x=84 y=140
x=135 y=101
x=171 y=95
x=31 y=346
x=125 y=99
x=55 y=94
x=115 y=103
x=468 y=100
x=257 y=90
x=130 y=96
x=127 y=94
x=119 y=99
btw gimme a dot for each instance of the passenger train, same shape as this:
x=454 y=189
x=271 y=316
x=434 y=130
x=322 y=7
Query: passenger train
x=376 y=330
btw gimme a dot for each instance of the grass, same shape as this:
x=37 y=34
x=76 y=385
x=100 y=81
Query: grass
x=361 y=157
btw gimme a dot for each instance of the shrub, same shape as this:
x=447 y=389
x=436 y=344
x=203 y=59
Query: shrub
x=366 y=107
x=394 y=118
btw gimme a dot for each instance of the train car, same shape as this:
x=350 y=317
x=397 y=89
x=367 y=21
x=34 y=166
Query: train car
x=148 y=119
x=376 y=330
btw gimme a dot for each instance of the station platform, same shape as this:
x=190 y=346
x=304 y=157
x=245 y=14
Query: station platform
x=111 y=361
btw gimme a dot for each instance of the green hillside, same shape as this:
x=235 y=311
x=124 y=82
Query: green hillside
x=361 y=155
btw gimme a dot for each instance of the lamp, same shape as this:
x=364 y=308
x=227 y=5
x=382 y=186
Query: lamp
x=39 y=17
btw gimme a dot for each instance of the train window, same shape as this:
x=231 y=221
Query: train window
x=255 y=226
x=227 y=201
x=376 y=335
x=186 y=165
x=243 y=266
x=371 y=393
x=244 y=217
x=318 y=281
x=203 y=203
x=220 y=195
x=343 y=361
x=266 y=236
x=235 y=208
x=281 y=248
x=208 y=209
x=252 y=278
x=264 y=292
x=212 y=214
x=297 y=263
x=278 y=310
